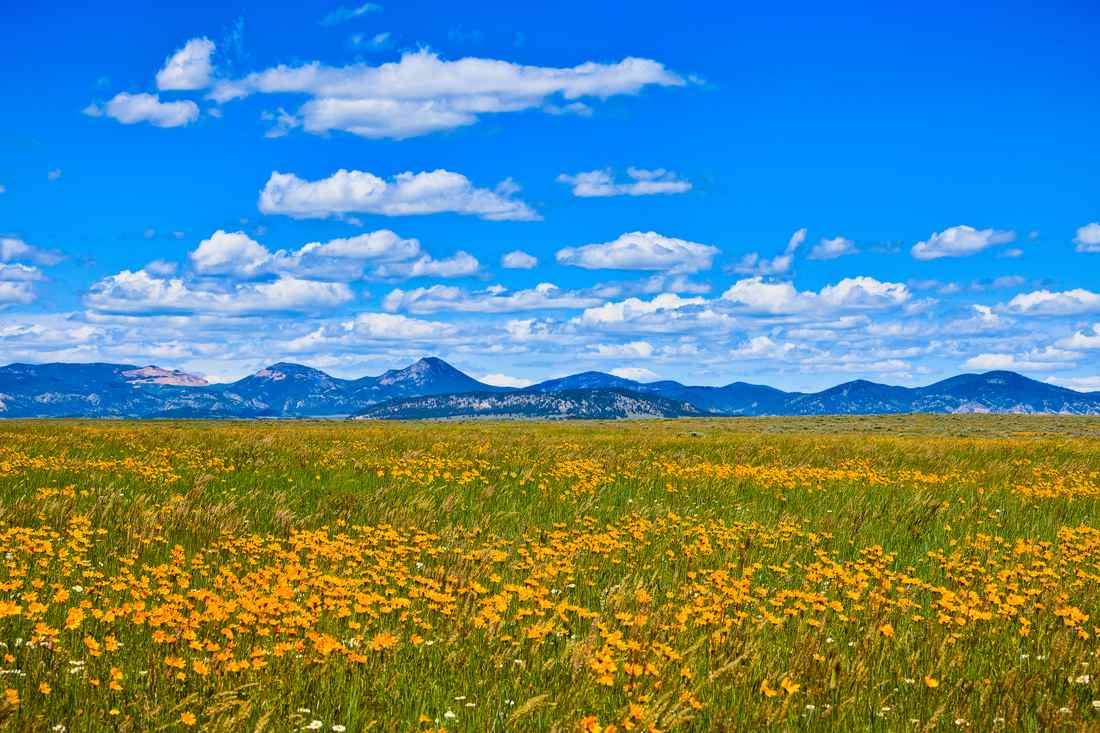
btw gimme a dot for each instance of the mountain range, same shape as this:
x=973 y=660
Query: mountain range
x=432 y=388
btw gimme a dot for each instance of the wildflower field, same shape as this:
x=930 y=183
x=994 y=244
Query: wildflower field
x=901 y=573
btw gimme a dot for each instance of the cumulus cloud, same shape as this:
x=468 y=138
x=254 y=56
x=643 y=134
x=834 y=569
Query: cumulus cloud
x=1088 y=238
x=358 y=192
x=643 y=183
x=1045 y=359
x=641 y=251
x=423 y=93
x=504 y=380
x=830 y=249
x=19 y=273
x=762 y=347
x=188 y=68
x=1081 y=340
x=16 y=291
x=518 y=260
x=755 y=295
x=238 y=255
x=754 y=264
x=14 y=248
x=230 y=253
x=458 y=265
x=1081 y=384
x=142 y=293
x=664 y=313
x=496 y=299
x=960 y=241
x=633 y=349
x=1048 y=303
x=130 y=109
x=369 y=327
x=638 y=374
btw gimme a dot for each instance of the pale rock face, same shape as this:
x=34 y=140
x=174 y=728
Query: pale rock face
x=156 y=375
x=271 y=374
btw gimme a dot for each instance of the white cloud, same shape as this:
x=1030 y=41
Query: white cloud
x=960 y=241
x=230 y=253
x=641 y=251
x=530 y=329
x=1088 y=238
x=1081 y=384
x=379 y=246
x=643 y=183
x=237 y=254
x=13 y=248
x=759 y=296
x=1048 y=303
x=142 y=293
x=672 y=284
x=518 y=260
x=188 y=68
x=130 y=109
x=368 y=327
x=762 y=347
x=503 y=380
x=16 y=292
x=1082 y=341
x=458 y=265
x=161 y=268
x=634 y=349
x=19 y=273
x=54 y=174
x=1045 y=359
x=423 y=93
x=863 y=292
x=852 y=293
x=754 y=264
x=359 y=192
x=830 y=249
x=638 y=374
x=663 y=312
x=343 y=14
x=544 y=296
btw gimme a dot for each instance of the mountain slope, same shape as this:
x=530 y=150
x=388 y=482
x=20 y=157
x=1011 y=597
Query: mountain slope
x=293 y=390
x=1002 y=391
x=428 y=376
x=288 y=390
x=77 y=390
x=583 y=404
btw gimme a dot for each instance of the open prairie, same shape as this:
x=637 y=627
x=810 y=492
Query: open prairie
x=908 y=573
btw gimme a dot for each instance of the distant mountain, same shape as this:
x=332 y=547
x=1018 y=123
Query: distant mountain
x=429 y=376
x=80 y=390
x=584 y=380
x=284 y=389
x=582 y=404
x=433 y=388
x=1002 y=391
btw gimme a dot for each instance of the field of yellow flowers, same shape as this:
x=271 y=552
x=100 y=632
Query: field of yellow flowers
x=908 y=573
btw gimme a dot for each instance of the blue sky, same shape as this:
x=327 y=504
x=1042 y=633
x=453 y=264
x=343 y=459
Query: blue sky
x=776 y=194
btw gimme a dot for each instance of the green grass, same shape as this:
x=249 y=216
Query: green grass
x=757 y=550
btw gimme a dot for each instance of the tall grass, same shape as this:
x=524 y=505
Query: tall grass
x=911 y=573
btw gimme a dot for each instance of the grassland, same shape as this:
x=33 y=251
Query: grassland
x=910 y=573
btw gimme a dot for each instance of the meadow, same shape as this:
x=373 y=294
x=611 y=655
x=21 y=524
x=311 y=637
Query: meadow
x=889 y=573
